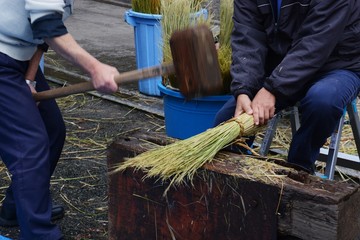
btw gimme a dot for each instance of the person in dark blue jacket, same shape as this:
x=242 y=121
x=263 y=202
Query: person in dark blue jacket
x=288 y=52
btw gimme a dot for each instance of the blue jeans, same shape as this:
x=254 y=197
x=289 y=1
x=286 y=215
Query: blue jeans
x=31 y=141
x=321 y=109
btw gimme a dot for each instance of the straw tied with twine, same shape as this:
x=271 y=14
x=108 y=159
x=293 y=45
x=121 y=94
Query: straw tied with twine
x=179 y=161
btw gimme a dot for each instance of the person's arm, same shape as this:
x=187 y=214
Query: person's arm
x=102 y=75
x=32 y=69
x=249 y=49
x=46 y=20
x=315 y=41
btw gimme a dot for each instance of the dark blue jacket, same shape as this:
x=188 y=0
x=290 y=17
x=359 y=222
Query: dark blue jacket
x=284 y=54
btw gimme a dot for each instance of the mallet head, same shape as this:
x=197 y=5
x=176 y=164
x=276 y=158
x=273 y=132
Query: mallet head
x=196 y=62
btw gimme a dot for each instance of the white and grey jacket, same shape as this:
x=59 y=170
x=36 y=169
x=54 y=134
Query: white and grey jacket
x=25 y=23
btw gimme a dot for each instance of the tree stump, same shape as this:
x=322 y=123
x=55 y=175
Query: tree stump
x=223 y=203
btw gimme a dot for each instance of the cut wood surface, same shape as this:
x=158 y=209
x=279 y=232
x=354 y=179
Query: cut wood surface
x=232 y=200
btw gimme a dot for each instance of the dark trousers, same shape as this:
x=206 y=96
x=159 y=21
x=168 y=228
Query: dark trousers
x=31 y=141
x=321 y=109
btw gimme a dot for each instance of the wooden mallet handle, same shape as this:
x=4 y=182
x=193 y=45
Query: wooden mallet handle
x=163 y=69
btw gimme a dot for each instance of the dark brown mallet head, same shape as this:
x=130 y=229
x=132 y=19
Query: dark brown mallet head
x=196 y=62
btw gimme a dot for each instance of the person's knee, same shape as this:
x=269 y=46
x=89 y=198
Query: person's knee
x=322 y=113
x=321 y=103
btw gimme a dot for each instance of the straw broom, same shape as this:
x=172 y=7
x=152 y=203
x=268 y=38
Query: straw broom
x=180 y=160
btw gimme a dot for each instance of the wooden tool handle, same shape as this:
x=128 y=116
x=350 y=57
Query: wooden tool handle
x=134 y=75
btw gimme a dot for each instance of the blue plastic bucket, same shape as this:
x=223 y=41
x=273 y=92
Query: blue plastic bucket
x=183 y=118
x=148 y=46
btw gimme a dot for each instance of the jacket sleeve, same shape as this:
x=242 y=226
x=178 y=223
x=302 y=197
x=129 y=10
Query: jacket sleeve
x=310 y=49
x=40 y=8
x=47 y=16
x=248 y=49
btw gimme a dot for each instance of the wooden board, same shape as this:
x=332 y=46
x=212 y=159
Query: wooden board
x=223 y=205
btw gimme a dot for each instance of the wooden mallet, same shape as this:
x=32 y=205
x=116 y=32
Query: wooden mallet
x=195 y=64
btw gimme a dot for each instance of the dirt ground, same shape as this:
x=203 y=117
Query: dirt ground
x=80 y=180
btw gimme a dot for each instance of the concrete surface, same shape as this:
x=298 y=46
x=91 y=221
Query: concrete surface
x=100 y=29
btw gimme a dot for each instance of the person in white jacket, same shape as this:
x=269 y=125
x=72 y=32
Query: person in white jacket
x=32 y=134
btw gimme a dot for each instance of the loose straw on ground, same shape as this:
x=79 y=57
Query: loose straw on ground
x=179 y=161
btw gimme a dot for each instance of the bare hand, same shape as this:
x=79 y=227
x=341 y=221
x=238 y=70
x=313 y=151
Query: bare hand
x=32 y=89
x=243 y=104
x=103 y=78
x=263 y=106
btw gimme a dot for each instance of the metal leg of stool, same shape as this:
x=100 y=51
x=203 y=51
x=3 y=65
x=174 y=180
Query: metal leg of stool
x=271 y=129
x=335 y=138
x=355 y=123
x=294 y=120
x=334 y=149
x=269 y=135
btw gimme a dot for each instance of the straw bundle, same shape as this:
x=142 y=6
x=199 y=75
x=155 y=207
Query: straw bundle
x=146 y=6
x=179 y=161
x=224 y=51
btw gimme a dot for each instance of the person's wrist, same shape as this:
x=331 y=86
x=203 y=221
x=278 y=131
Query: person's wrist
x=30 y=82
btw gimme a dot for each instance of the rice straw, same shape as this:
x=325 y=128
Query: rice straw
x=180 y=160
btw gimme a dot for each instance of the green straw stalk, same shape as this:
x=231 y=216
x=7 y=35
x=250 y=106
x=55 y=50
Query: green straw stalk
x=180 y=160
x=225 y=52
x=146 y=6
x=179 y=15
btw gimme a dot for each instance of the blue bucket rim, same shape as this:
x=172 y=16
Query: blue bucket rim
x=133 y=13
x=167 y=91
x=143 y=15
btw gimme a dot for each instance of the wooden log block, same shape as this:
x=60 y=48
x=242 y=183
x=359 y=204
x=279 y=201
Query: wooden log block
x=223 y=203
